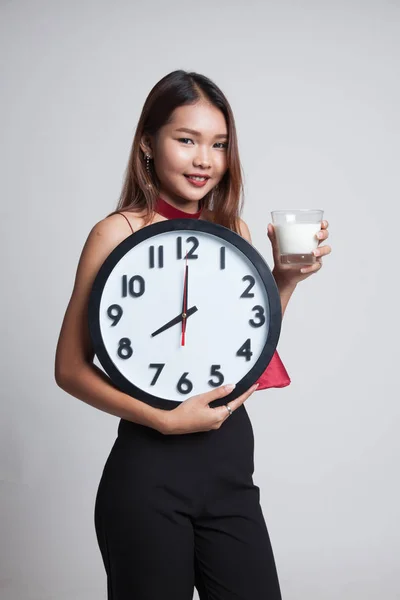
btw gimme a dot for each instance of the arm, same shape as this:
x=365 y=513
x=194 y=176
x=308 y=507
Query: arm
x=285 y=292
x=285 y=289
x=74 y=369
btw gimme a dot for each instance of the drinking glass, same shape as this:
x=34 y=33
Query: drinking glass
x=296 y=232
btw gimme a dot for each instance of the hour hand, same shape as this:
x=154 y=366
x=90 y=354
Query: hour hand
x=175 y=321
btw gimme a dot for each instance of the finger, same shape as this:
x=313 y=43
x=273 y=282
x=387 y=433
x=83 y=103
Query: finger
x=324 y=225
x=322 y=251
x=315 y=267
x=219 y=392
x=274 y=241
x=234 y=404
x=323 y=234
x=271 y=233
x=223 y=413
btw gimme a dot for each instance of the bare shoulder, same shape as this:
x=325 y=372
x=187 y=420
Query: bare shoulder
x=111 y=231
x=244 y=230
x=106 y=235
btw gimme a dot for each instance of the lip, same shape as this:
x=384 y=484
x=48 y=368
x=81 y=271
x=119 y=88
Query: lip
x=197 y=175
x=196 y=183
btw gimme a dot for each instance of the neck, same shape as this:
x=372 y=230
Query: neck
x=184 y=205
x=172 y=210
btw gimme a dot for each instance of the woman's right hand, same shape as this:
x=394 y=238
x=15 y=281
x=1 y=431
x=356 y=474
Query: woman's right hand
x=195 y=414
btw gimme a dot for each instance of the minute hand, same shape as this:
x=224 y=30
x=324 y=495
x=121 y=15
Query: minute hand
x=175 y=321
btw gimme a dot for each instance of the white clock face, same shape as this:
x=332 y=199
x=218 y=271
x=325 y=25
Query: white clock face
x=141 y=306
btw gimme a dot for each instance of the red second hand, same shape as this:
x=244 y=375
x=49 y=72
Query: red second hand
x=184 y=304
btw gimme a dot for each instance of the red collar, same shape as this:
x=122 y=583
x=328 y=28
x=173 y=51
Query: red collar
x=170 y=212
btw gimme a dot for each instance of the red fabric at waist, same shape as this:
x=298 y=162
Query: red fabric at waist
x=275 y=375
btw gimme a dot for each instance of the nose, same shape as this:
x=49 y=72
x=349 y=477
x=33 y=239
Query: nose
x=202 y=158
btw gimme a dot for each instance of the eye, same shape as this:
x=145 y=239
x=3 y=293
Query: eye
x=184 y=140
x=222 y=145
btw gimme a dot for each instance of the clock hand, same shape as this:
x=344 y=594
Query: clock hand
x=185 y=301
x=175 y=321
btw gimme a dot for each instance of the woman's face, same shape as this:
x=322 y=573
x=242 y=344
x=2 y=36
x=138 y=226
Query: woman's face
x=193 y=143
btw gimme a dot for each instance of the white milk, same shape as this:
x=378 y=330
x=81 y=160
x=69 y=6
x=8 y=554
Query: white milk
x=297 y=238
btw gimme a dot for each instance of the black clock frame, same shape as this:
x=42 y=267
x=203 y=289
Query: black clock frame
x=275 y=311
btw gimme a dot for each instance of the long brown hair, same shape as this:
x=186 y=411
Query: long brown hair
x=223 y=204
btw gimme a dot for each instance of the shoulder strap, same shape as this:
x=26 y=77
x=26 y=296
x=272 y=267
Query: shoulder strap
x=127 y=220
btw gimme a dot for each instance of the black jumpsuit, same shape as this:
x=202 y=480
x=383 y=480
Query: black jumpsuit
x=177 y=511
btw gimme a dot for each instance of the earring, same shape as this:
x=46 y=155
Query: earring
x=149 y=186
x=148 y=163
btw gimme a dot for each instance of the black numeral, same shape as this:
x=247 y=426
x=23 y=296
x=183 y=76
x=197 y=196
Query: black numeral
x=222 y=257
x=245 y=350
x=184 y=385
x=215 y=372
x=260 y=314
x=195 y=243
x=159 y=367
x=125 y=348
x=179 y=248
x=160 y=254
x=129 y=286
x=246 y=293
x=190 y=253
x=115 y=313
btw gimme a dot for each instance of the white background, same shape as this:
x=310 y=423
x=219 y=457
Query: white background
x=315 y=90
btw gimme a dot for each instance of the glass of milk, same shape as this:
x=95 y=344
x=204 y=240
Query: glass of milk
x=296 y=232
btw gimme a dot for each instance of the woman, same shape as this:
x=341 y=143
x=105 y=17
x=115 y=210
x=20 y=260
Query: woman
x=176 y=505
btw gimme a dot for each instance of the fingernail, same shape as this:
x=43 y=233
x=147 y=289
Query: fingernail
x=320 y=235
x=256 y=386
x=303 y=270
x=316 y=252
x=230 y=387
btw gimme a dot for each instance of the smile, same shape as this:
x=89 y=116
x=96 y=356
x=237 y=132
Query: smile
x=197 y=180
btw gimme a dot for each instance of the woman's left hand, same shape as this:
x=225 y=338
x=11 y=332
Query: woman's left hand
x=289 y=274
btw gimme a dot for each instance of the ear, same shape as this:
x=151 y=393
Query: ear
x=146 y=145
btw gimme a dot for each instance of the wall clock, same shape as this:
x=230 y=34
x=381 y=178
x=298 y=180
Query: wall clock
x=181 y=307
